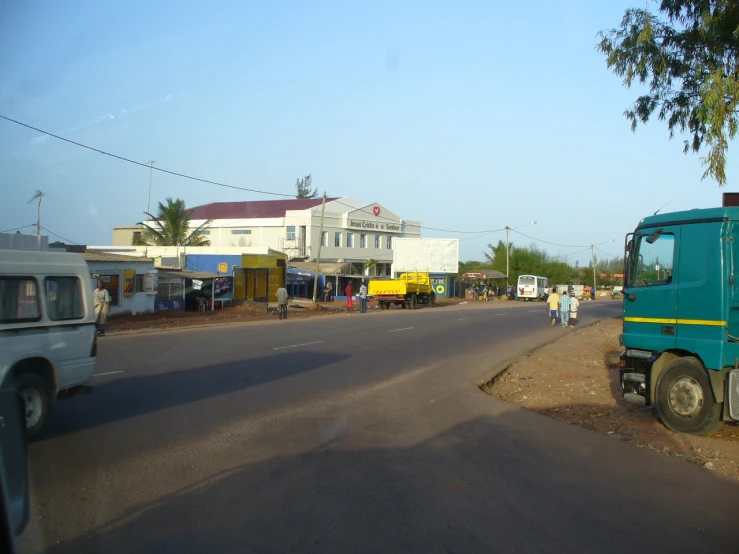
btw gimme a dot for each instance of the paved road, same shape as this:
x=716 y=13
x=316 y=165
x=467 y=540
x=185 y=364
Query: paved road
x=353 y=433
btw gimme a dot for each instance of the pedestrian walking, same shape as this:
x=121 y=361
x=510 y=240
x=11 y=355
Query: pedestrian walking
x=363 y=298
x=101 y=303
x=564 y=310
x=348 y=291
x=282 y=302
x=553 y=302
x=330 y=289
x=574 y=305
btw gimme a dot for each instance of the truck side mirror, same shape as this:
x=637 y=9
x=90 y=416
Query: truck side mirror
x=652 y=238
x=14 y=481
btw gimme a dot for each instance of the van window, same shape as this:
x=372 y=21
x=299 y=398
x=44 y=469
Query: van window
x=64 y=298
x=19 y=300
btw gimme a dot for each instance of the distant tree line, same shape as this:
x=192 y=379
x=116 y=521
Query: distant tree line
x=532 y=260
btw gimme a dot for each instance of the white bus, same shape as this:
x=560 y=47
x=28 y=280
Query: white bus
x=532 y=287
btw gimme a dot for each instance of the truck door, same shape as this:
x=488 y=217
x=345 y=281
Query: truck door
x=650 y=294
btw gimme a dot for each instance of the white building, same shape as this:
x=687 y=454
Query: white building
x=125 y=277
x=352 y=231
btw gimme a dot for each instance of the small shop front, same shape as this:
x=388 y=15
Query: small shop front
x=259 y=277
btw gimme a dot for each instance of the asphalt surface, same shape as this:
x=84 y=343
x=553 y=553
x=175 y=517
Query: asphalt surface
x=351 y=433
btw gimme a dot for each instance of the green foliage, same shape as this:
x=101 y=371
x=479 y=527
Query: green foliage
x=171 y=227
x=303 y=187
x=528 y=261
x=371 y=264
x=471 y=265
x=532 y=260
x=689 y=60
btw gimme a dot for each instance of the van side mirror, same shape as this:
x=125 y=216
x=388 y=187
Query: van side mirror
x=14 y=481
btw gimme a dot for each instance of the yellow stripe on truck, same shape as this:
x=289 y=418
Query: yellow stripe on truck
x=664 y=321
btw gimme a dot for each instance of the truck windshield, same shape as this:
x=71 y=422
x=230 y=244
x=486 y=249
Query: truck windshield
x=652 y=264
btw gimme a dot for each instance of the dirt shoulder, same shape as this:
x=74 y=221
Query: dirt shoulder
x=576 y=379
x=182 y=320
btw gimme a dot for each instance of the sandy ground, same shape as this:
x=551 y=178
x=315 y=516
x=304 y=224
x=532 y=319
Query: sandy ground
x=181 y=320
x=576 y=379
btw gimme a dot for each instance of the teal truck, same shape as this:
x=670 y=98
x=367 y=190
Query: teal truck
x=681 y=318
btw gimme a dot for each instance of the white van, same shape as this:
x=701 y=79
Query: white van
x=48 y=343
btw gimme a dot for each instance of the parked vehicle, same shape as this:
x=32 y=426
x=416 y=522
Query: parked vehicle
x=48 y=343
x=408 y=290
x=681 y=318
x=532 y=287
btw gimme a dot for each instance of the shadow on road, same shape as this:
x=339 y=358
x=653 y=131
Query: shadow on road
x=134 y=396
x=490 y=484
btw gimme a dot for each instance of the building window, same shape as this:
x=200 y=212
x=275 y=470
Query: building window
x=136 y=238
x=237 y=232
x=207 y=232
x=19 y=300
x=377 y=242
x=324 y=238
x=291 y=232
x=388 y=268
x=337 y=240
x=389 y=243
x=350 y=240
x=64 y=298
x=362 y=241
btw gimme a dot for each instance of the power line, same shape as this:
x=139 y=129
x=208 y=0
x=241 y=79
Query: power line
x=207 y=181
x=552 y=243
x=61 y=237
x=420 y=226
x=607 y=254
x=145 y=164
x=18 y=228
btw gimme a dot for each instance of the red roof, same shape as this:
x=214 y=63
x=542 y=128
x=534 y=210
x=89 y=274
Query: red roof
x=254 y=209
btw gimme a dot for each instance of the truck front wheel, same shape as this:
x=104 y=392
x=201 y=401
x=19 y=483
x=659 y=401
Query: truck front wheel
x=684 y=399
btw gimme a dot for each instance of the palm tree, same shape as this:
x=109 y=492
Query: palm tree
x=371 y=264
x=171 y=227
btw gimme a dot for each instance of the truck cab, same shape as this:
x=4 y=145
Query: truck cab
x=681 y=318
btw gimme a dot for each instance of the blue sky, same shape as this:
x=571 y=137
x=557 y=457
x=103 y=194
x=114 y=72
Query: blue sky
x=467 y=117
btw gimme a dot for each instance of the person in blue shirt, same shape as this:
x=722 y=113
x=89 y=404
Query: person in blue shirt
x=564 y=310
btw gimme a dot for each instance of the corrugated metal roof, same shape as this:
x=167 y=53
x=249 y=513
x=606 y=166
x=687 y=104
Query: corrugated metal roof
x=105 y=257
x=327 y=268
x=255 y=209
x=185 y=274
x=486 y=273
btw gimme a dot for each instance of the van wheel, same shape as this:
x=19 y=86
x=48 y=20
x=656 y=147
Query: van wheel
x=36 y=399
x=685 y=402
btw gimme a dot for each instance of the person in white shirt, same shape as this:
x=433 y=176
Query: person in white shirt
x=363 y=298
x=574 y=305
x=101 y=303
x=282 y=302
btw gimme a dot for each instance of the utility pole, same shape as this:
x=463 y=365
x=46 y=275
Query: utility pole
x=320 y=242
x=592 y=252
x=150 y=163
x=507 y=249
x=507 y=259
x=38 y=196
